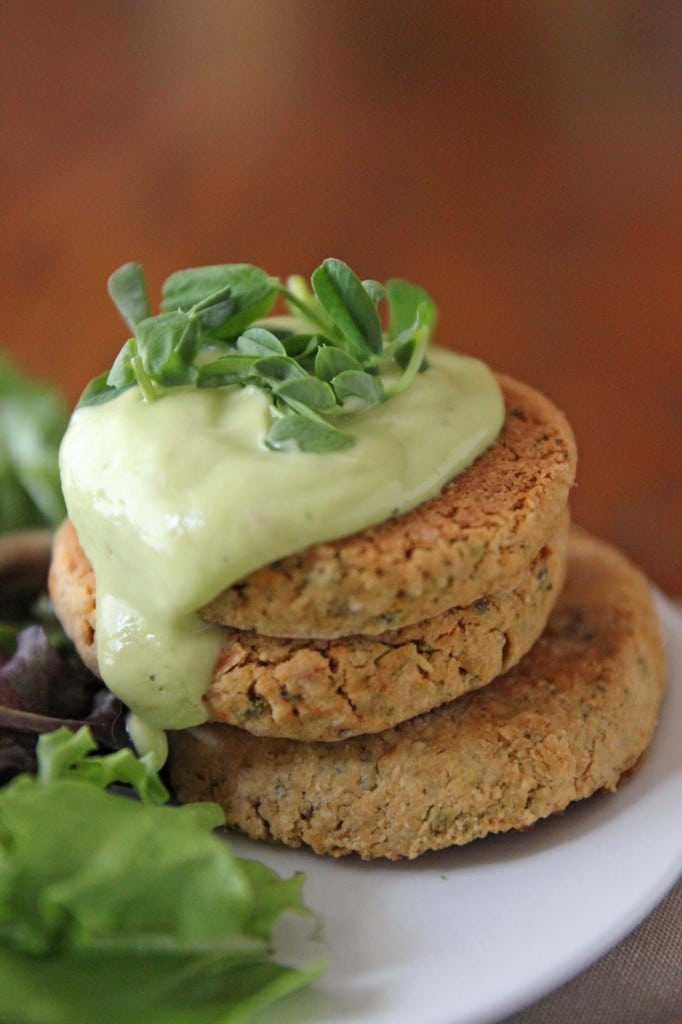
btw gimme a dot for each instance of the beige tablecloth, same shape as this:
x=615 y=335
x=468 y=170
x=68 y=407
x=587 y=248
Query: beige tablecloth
x=637 y=982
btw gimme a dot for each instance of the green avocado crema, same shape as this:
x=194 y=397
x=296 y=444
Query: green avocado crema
x=177 y=499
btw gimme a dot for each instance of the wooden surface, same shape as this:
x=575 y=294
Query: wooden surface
x=521 y=161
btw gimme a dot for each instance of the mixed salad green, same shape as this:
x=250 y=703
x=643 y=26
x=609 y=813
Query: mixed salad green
x=115 y=909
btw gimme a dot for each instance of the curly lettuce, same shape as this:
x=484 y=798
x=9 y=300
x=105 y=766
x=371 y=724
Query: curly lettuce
x=115 y=909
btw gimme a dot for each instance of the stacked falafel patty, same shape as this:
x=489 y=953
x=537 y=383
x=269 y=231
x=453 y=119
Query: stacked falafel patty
x=468 y=667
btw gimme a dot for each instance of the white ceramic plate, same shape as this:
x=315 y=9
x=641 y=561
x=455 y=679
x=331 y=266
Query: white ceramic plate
x=470 y=935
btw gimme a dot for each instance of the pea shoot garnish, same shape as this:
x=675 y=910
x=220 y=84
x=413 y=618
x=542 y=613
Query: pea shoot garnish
x=324 y=356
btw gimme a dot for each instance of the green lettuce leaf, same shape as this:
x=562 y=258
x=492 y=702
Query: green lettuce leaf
x=33 y=419
x=115 y=909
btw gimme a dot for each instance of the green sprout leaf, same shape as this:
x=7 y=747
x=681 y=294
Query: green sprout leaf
x=99 y=390
x=258 y=341
x=360 y=387
x=376 y=291
x=405 y=301
x=122 y=375
x=307 y=434
x=250 y=291
x=348 y=305
x=308 y=391
x=303 y=348
x=330 y=361
x=279 y=368
x=232 y=368
x=128 y=290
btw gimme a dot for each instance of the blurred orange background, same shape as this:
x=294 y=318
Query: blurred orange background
x=522 y=161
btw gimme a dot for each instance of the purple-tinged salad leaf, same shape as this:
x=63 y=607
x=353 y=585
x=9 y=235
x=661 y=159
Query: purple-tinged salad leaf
x=129 y=910
x=44 y=685
x=40 y=676
x=43 y=682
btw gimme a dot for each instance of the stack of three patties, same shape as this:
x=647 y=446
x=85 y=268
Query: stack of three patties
x=431 y=679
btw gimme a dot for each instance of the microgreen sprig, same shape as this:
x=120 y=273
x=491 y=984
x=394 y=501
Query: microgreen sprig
x=327 y=355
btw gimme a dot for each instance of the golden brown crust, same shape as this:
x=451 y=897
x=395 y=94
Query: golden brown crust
x=329 y=689
x=71 y=585
x=574 y=715
x=479 y=536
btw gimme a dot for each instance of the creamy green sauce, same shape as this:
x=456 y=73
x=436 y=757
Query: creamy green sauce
x=174 y=500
